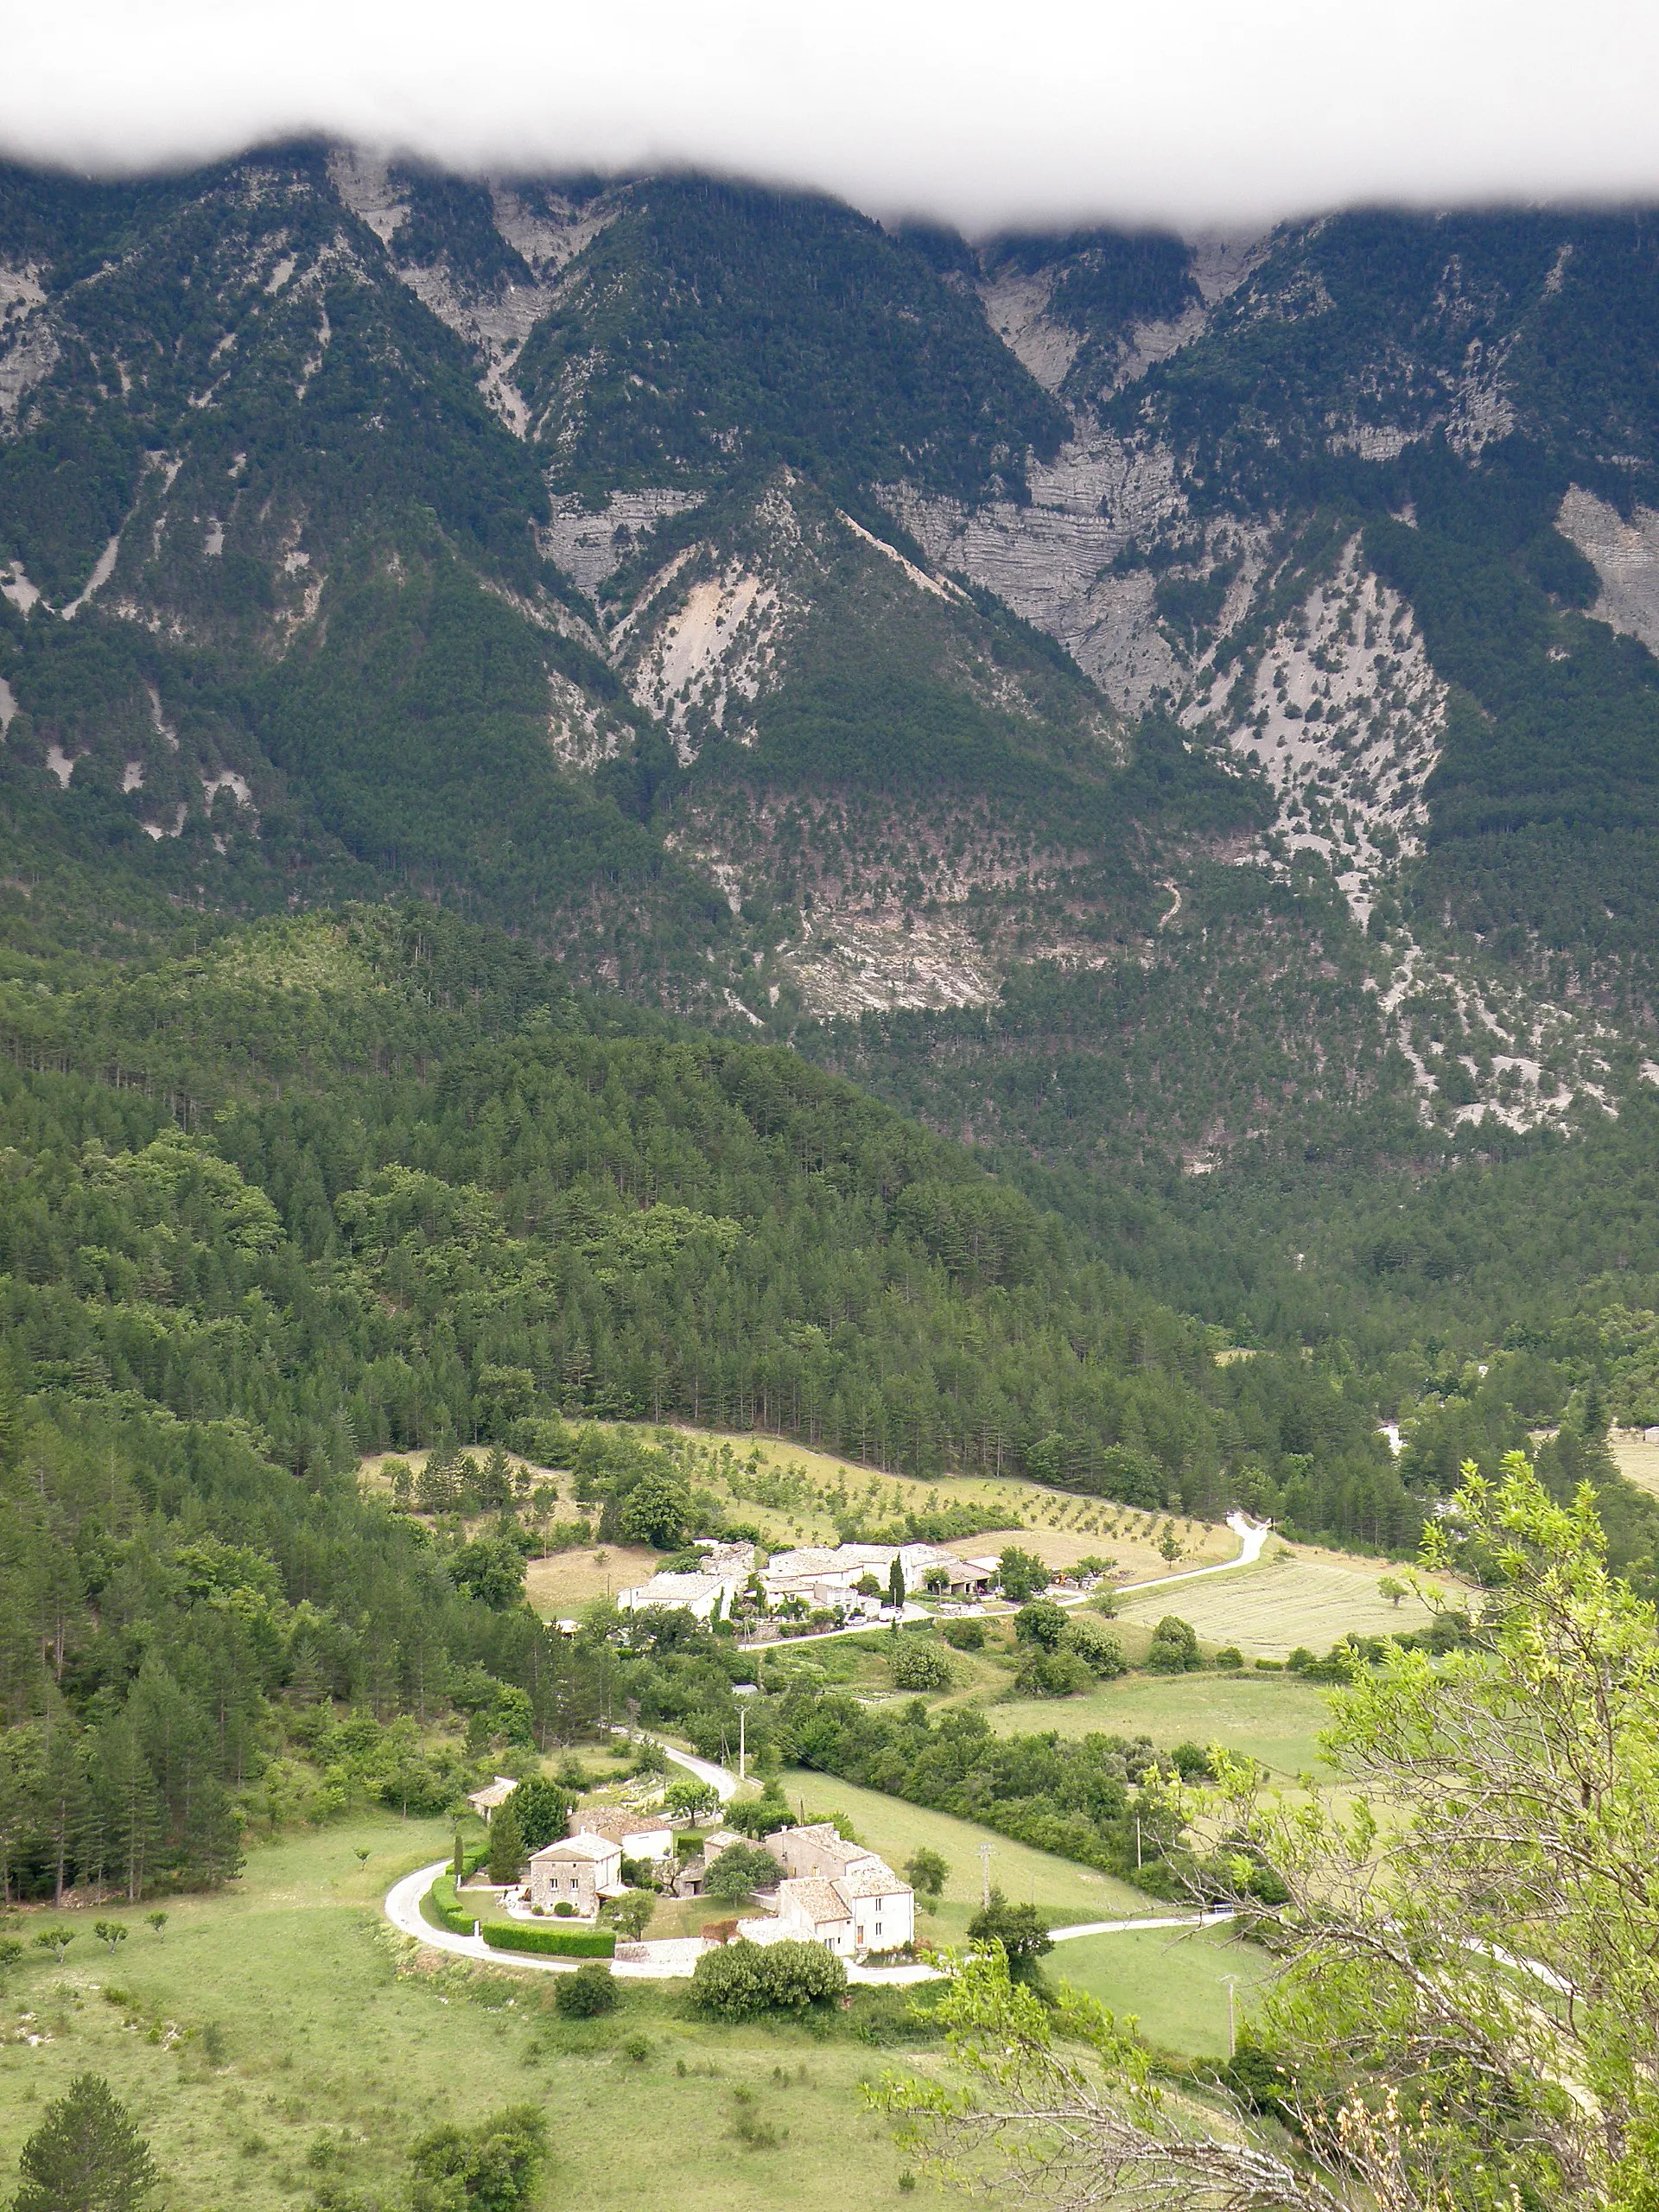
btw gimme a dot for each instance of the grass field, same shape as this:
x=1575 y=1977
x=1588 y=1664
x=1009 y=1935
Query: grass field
x=325 y=2062
x=1637 y=1462
x=1066 y=1892
x=1309 y=1599
x=1172 y=1981
x=1273 y=1717
x=1127 y=1539
x=282 y=2035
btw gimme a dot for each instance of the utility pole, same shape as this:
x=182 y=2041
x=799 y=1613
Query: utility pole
x=1137 y=1841
x=1231 y=1980
x=985 y=1875
x=742 y=1742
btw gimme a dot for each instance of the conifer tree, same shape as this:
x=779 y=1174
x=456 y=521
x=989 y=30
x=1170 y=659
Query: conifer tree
x=85 y=2156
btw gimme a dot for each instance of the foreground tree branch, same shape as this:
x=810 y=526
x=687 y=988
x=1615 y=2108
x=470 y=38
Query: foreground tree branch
x=1467 y=2013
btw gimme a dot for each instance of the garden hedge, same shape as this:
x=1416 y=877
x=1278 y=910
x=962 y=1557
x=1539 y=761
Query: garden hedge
x=555 y=1942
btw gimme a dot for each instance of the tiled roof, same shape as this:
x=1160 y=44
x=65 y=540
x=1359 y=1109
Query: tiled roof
x=875 y=1879
x=576 y=1846
x=824 y=1837
x=493 y=1793
x=617 y=1826
x=818 y=1899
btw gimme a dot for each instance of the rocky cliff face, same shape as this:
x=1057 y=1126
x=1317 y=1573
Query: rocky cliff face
x=824 y=623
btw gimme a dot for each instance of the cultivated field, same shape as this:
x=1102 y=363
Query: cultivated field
x=792 y=1495
x=1289 y=1598
x=1273 y=1718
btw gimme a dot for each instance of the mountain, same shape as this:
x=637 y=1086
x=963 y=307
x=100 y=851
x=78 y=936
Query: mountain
x=1149 y=706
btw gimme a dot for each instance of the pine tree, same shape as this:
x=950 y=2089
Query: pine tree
x=85 y=2156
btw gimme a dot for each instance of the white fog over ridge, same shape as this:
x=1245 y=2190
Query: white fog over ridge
x=1195 y=114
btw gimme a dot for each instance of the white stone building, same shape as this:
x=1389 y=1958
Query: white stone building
x=824 y=1575
x=835 y=1893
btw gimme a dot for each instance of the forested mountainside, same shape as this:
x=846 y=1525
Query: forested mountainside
x=1178 y=716
x=379 y=1176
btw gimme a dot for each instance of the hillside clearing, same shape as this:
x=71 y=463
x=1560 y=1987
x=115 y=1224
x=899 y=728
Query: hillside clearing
x=1172 y=1981
x=1306 y=1600
x=1275 y=1718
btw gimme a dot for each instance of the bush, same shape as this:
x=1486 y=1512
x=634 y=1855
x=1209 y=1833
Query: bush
x=586 y=1994
x=916 y=1665
x=492 y=2167
x=564 y=1910
x=550 y=1942
x=1191 y=1762
x=740 y=1869
x=1099 y=1651
x=1174 y=1648
x=448 y=1914
x=1041 y=1622
x=1053 y=1674
x=1230 y=1657
x=743 y=1979
x=758 y=1816
x=964 y=1636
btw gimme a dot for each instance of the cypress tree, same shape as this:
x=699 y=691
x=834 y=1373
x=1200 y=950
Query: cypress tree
x=506 y=1845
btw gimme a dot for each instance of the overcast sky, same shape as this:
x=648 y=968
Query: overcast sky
x=1195 y=112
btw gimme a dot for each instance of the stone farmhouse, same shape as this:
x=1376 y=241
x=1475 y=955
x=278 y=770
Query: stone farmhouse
x=835 y=1893
x=825 y=1576
x=725 y=1569
x=821 y=1576
x=580 y=1871
x=487 y=1801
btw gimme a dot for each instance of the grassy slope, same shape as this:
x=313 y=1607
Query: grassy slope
x=1311 y=1598
x=1173 y=1983
x=1274 y=1718
x=321 y=2035
x=896 y=1829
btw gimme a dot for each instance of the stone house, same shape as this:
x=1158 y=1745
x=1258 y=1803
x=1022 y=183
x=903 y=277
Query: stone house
x=578 y=1869
x=835 y=1893
x=494 y=1794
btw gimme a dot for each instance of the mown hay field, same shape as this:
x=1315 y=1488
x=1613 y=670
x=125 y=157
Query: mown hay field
x=1288 y=1600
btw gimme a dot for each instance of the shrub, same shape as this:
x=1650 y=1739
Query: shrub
x=1041 y=1622
x=1053 y=1674
x=917 y=1665
x=1230 y=1657
x=1099 y=1651
x=743 y=1979
x=586 y=1994
x=490 y=2168
x=1019 y=1929
x=758 y=1816
x=964 y=1636
x=1191 y=1762
x=563 y=1909
x=1174 y=1648
x=440 y=1904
